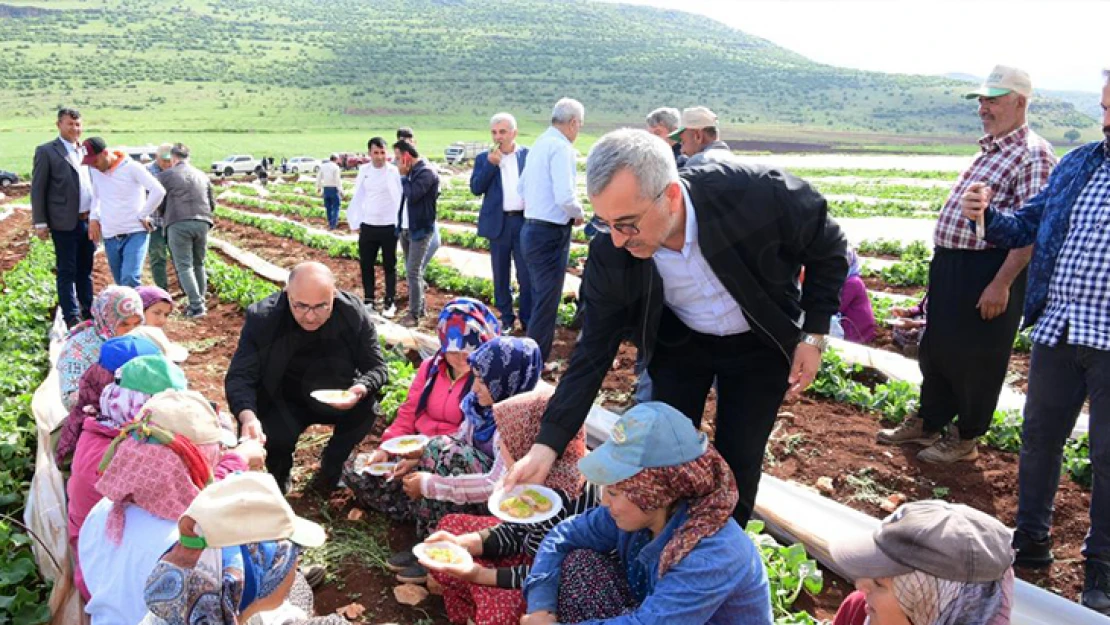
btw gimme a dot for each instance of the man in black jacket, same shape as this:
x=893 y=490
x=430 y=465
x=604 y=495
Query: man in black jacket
x=416 y=222
x=306 y=338
x=701 y=271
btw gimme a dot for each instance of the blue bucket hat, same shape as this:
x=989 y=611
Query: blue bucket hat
x=120 y=350
x=652 y=434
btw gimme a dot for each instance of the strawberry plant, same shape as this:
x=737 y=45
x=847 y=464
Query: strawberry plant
x=1077 y=461
x=789 y=570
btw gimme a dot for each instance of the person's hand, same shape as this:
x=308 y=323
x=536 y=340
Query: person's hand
x=412 y=485
x=807 y=359
x=94 y=231
x=532 y=468
x=42 y=233
x=147 y=224
x=250 y=427
x=471 y=542
x=467 y=572
x=252 y=451
x=975 y=200
x=359 y=391
x=994 y=300
x=403 y=467
x=495 y=155
x=539 y=618
x=899 y=311
x=578 y=221
x=379 y=456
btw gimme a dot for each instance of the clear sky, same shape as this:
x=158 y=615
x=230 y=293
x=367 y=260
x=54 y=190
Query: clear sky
x=1061 y=43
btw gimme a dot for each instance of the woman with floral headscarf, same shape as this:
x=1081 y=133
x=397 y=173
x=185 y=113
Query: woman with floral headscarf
x=115 y=312
x=434 y=403
x=667 y=514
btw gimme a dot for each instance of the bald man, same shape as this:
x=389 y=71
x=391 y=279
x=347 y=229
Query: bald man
x=309 y=337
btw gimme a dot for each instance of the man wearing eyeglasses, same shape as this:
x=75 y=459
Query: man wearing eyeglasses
x=309 y=337
x=701 y=270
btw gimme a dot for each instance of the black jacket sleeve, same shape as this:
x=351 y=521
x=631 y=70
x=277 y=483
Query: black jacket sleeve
x=40 y=181
x=244 y=374
x=371 y=369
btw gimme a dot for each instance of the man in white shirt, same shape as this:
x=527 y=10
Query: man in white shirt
x=330 y=181
x=125 y=195
x=372 y=213
x=495 y=176
x=548 y=185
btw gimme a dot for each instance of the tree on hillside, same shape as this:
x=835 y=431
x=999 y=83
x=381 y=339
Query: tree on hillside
x=1072 y=135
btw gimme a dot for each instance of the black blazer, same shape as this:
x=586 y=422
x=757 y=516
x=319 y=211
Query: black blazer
x=757 y=227
x=55 y=188
x=270 y=338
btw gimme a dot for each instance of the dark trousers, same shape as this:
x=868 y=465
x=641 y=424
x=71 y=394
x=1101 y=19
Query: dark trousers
x=751 y=383
x=963 y=359
x=546 y=253
x=1060 y=379
x=331 y=205
x=505 y=251
x=73 y=253
x=370 y=240
x=283 y=422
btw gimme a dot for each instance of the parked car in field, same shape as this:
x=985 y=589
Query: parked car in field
x=142 y=153
x=349 y=160
x=7 y=178
x=303 y=164
x=236 y=164
x=463 y=151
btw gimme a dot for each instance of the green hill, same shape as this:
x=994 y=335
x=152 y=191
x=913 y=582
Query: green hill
x=143 y=68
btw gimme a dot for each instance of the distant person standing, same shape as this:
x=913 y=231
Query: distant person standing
x=284 y=165
x=663 y=122
x=125 y=197
x=157 y=252
x=417 y=222
x=372 y=213
x=495 y=177
x=700 y=138
x=404 y=133
x=61 y=198
x=188 y=218
x=548 y=185
x=330 y=180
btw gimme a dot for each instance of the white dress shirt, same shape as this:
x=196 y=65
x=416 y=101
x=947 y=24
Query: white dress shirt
x=124 y=195
x=74 y=154
x=329 y=176
x=549 y=181
x=510 y=177
x=692 y=290
x=377 y=196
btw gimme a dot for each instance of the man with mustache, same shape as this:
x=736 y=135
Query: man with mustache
x=976 y=290
x=1069 y=303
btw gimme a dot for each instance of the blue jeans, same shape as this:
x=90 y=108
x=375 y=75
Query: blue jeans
x=504 y=251
x=331 y=205
x=546 y=250
x=126 y=254
x=417 y=256
x=188 y=242
x=1060 y=378
x=73 y=253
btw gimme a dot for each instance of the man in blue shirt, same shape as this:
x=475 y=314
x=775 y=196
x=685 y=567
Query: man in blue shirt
x=548 y=185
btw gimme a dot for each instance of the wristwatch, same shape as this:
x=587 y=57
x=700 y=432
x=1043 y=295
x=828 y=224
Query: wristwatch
x=819 y=342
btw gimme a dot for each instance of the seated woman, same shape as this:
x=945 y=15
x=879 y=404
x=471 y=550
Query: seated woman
x=930 y=563
x=908 y=335
x=115 y=312
x=157 y=305
x=857 y=319
x=667 y=514
x=433 y=407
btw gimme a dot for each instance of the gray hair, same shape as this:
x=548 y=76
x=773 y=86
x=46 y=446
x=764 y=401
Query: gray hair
x=566 y=110
x=665 y=116
x=638 y=151
x=503 y=117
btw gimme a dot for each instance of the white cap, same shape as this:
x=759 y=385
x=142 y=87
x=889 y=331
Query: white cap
x=1003 y=80
x=696 y=117
x=246 y=508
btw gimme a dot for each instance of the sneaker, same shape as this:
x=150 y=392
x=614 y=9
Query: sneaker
x=911 y=430
x=1032 y=553
x=314 y=574
x=389 y=311
x=195 y=313
x=400 y=561
x=1096 y=586
x=409 y=321
x=950 y=449
x=415 y=574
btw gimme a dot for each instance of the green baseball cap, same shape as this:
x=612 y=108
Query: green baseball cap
x=152 y=375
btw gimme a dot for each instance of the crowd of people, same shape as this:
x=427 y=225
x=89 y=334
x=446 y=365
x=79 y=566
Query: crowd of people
x=697 y=259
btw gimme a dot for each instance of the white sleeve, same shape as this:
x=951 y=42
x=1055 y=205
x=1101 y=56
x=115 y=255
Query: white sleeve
x=354 y=205
x=155 y=191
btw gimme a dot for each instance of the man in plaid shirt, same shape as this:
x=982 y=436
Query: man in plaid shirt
x=976 y=290
x=1069 y=301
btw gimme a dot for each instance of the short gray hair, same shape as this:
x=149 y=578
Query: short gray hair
x=638 y=151
x=665 y=116
x=567 y=109
x=503 y=117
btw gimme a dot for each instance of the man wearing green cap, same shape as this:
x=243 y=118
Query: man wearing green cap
x=976 y=290
x=157 y=252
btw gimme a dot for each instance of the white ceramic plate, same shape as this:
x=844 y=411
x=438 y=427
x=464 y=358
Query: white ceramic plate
x=422 y=554
x=538 y=517
x=332 y=397
x=405 y=444
x=377 y=469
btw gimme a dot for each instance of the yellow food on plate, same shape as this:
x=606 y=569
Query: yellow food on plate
x=516 y=508
x=444 y=555
x=408 y=443
x=535 y=500
x=334 y=397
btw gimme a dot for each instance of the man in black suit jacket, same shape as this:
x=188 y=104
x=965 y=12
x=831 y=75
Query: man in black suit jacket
x=61 y=197
x=700 y=270
x=306 y=338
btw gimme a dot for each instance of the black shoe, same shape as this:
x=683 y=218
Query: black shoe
x=1031 y=553
x=314 y=574
x=400 y=561
x=1096 y=586
x=415 y=574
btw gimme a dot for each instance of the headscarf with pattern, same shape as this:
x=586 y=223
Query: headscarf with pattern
x=507 y=366
x=518 y=424
x=113 y=305
x=119 y=406
x=464 y=324
x=854 y=265
x=706 y=483
x=84 y=341
x=930 y=600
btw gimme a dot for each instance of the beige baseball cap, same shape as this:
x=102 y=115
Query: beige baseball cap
x=172 y=350
x=246 y=508
x=1003 y=80
x=694 y=117
x=189 y=414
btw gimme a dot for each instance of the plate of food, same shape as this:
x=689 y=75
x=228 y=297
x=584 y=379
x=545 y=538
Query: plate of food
x=441 y=553
x=333 y=396
x=377 y=469
x=527 y=503
x=405 y=444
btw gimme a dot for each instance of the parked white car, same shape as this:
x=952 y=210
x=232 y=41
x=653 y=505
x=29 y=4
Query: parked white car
x=303 y=164
x=236 y=164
